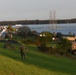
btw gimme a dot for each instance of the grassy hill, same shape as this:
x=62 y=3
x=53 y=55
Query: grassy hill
x=36 y=63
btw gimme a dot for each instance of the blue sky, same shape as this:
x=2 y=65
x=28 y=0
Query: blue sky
x=36 y=9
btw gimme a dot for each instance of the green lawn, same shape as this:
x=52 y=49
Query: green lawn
x=37 y=63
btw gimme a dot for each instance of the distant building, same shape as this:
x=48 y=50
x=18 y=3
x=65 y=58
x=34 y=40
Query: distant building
x=3 y=32
x=73 y=41
x=73 y=45
x=70 y=38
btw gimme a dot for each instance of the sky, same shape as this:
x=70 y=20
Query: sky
x=36 y=9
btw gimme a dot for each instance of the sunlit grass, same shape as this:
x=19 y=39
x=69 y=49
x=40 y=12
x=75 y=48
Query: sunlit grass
x=37 y=63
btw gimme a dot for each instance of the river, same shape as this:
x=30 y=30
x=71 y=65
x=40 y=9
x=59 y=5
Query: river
x=63 y=28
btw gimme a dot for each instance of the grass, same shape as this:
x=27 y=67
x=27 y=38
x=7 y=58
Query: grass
x=36 y=63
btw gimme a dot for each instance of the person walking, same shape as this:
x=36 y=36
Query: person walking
x=22 y=52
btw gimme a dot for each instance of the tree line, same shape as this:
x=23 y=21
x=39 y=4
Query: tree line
x=24 y=22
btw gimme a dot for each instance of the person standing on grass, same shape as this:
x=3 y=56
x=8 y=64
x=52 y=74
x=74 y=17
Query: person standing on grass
x=22 y=52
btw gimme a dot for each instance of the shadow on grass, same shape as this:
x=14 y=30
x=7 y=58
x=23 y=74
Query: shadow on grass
x=43 y=61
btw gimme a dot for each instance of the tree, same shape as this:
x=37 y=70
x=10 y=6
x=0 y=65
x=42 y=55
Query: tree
x=9 y=28
x=23 y=31
x=64 y=46
x=44 y=38
x=59 y=35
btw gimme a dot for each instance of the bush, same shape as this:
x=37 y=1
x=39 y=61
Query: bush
x=43 y=48
x=9 y=45
x=63 y=46
x=53 y=50
x=30 y=41
x=25 y=41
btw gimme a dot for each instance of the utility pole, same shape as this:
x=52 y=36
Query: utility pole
x=53 y=19
x=50 y=17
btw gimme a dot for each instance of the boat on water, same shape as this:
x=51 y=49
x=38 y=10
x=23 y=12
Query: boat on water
x=18 y=25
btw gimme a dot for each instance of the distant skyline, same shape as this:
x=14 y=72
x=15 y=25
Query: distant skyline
x=36 y=9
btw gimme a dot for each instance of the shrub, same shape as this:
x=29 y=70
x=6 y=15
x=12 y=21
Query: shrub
x=43 y=48
x=53 y=50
